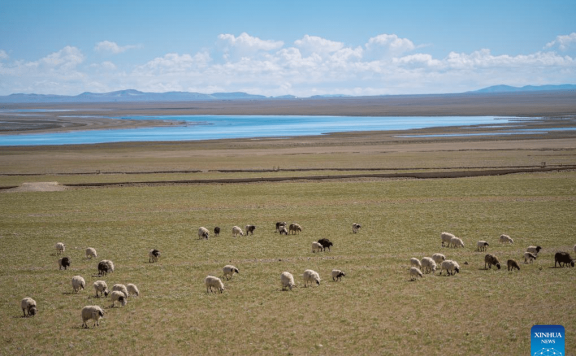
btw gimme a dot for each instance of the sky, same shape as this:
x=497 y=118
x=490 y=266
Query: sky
x=275 y=48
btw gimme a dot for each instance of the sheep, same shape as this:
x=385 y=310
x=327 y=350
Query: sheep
x=280 y=224
x=60 y=248
x=482 y=245
x=294 y=228
x=203 y=233
x=118 y=296
x=316 y=247
x=326 y=244
x=450 y=266
x=64 y=262
x=283 y=230
x=229 y=271
x=534 y=249
x=512 y=264
x=132 y=289
x=438 y=258
x=216 y=231
x=28 y=306
x=250 y=229
x=415 y=262
x=101 y=287
x=446 y=237
x=105 y=266
x=153 y=255
x=456 y=242
x=490 y=260
x=237 y=231
x=414 y=273
x=215 y=282
x=428 y=265
x=120 y=288
x=91 y=252
x=563 y=258
x=93 y=312
x=287 y=280
x=77 y=283
x=356 y=227
x=311 y=276
x=505 y=239
x=574 y=248
x=529 y=257
x=337 y=275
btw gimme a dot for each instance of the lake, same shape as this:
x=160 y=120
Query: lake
x=249 y=126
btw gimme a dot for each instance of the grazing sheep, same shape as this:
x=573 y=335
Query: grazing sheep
x=93 y=312
x=132 y=289
x=153 y=255
x=316 y=247
x=505 y=239
x=77 y=283
x=356 y=227
x=450 y=266
x=101 y=287
x=287 y=280
x=428 y=265
x=215 y=282
x=120 y=288
x=512 y=264
x=438 y=258
x=283 y=230
x=294 y=228
x=216 y=231
x=250 y=229
x=105 y=266
x=482 y=245
x=280 y=224
x=229 y=271
x=414 y=273
x=311 y=276
x=415 y=262
x=64 y=262
x=28 y=306
x=490 y=260
x=337 y=275
x=529 y=257
x=563 y=259
x=118 y=296
x=534 y=249
x=60 y=248
x=90 y=252
x=203 y=233
x=237 y=231
x=456 y=242
x=446 y=238
x=326 y=244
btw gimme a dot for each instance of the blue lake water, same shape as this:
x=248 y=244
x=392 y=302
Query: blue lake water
x=226 y=127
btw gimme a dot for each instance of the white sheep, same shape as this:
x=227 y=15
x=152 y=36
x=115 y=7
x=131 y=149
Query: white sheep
x=415 y=262
x=356 y=227
x=311 y=276
x=287 y=280
x=438 y=258
x=91 y=252
x=120 y=288
x=60 y=248
x=93 y=312
x=101 y=287
x=294 y=228
x=482 y=245
x=534 y=249
x=118 y=296
x=132 y=289
x=446 y=237
x=203 y=233
x=505 y=239
x=316 y=247
x=77 y=283
x=450 y=266
x=337 y=275
x=236 y=231
x=215 y=282
x=428 y=265
x=528 y=256
x=415 y=273
x=456 y=242
x=153 y=255
x=28 y=306
x=229 y=271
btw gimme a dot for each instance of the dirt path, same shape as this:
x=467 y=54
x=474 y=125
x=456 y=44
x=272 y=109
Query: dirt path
x=38 y=187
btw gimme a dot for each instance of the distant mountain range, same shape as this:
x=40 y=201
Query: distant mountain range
x=131 y=95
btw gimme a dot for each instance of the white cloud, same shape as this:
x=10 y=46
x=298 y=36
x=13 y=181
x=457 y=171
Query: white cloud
x=563 y=42
x=112 y=47
x=244 y=45
x=3 y=54
x=313 y=44
x=106 y=65
x=389 y=45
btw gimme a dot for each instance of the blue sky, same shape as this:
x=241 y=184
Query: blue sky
x=275 y=48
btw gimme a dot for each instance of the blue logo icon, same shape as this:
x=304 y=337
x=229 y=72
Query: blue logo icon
x=547 y=340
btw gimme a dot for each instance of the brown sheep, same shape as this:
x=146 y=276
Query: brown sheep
x=512 y=264
x=490 y=260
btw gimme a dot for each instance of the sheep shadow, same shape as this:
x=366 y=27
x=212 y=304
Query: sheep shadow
x=67 y=293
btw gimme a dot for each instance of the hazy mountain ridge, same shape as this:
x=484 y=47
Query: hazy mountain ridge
x=527 y=88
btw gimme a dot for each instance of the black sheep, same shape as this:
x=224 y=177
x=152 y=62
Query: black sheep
x=64 y=262
x=102 y=268
x=325 y=244
x=216 y=231
x=563 y=258
x=250 y=229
